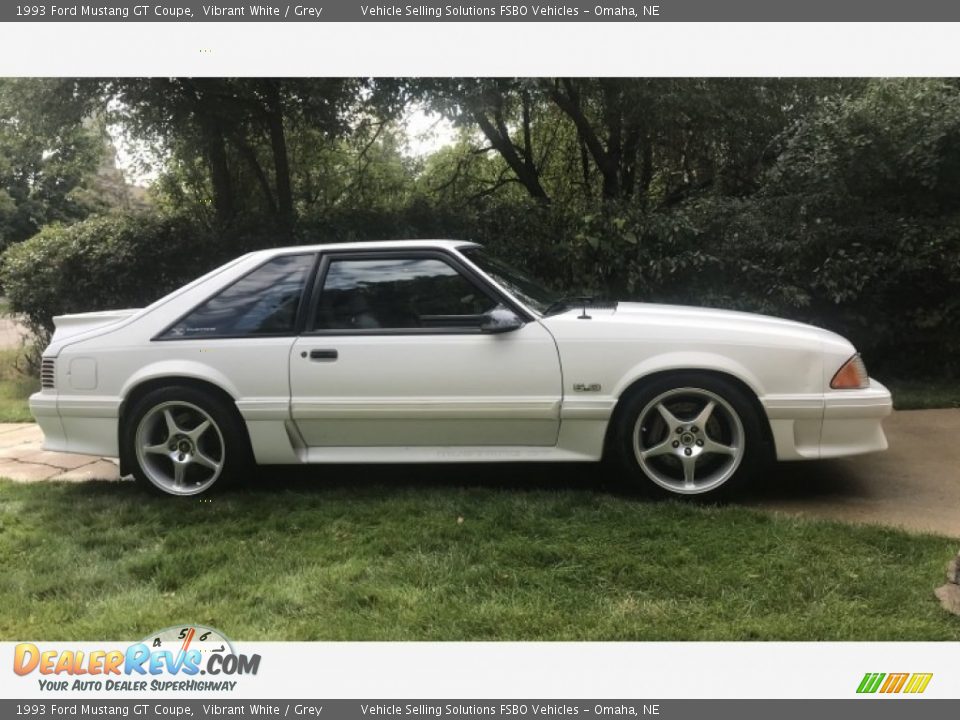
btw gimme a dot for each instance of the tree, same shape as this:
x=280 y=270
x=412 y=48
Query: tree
x=616 y=140
x=240 y=127
x=613 y=138
x=52 y=140
x=493 y=105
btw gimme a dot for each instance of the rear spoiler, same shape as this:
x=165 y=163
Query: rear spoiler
x=69 y=325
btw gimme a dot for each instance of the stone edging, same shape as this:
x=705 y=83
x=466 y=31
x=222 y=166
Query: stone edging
x=949 y=594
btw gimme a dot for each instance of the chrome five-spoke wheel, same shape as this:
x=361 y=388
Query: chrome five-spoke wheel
x=689 y=440
x=180 y=448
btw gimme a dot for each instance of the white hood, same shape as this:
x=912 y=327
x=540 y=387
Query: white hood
x=689 y=314
x=730 y=324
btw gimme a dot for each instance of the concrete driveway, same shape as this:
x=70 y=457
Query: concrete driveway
x=914 y=485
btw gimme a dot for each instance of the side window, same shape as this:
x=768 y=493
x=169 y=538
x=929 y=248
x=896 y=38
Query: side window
x=398 y=293
x=264 y=302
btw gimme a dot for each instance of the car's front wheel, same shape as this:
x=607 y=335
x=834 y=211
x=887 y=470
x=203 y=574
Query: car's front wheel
x=182 y=441
x=690 y=435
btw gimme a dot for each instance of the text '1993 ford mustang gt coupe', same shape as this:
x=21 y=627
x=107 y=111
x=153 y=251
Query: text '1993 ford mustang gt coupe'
x=434 y=351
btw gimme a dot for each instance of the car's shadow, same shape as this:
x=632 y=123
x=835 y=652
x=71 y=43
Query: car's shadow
x=812 y=481
x=519 y=477
x=780 y=482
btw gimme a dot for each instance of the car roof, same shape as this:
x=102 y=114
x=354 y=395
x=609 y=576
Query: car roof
x=373 y=245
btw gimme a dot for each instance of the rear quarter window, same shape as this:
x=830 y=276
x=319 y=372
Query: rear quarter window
x=263 y=302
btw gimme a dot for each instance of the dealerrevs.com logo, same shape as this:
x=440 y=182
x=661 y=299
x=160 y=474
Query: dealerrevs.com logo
x=179 y=658
x=893 y=683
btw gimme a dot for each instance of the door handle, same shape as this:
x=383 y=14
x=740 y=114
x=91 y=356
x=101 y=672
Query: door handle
x=323 y=354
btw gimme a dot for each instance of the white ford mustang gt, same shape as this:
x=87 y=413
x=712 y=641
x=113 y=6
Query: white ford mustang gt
x=434 y=351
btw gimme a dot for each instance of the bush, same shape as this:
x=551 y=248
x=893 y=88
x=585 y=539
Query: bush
x=103 y=263
x=886 y=278
x=854 y=226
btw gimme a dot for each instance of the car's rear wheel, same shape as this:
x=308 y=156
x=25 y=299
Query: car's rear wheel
x=183 y=441
x=690 y=435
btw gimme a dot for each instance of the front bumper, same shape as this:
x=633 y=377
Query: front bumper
x=833 y=424
x=852 y=421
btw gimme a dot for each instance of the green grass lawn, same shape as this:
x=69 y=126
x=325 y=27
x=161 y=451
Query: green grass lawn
x=15 y=388
x=925 y=394
x=418 y=554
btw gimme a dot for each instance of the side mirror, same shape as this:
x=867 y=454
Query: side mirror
x=500 y=320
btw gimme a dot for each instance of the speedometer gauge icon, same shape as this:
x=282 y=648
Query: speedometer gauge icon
x=181 y=638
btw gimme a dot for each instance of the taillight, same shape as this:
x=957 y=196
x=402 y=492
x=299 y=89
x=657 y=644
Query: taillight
x=852 y=375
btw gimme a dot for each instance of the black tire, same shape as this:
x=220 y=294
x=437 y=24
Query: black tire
x=733 y=424
x=223 y=442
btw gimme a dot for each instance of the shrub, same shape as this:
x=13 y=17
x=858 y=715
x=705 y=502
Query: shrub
x=810 y=244
x=103 y=263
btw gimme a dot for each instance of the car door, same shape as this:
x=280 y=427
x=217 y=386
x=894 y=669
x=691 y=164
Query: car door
x=240 y=337
x=393 y=355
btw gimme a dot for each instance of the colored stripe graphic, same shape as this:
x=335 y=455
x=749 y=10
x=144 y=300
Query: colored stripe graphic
x=918 y=682
x=870 y=682
x=894 y=683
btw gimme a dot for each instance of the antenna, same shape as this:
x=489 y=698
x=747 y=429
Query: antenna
x=585 y=299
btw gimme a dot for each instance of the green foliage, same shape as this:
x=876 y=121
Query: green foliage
x=924 y=393
x=598 y=140
x=365 y=170
x=104 y=263
x=854 y=226
x=16 y=385
x=243 y=147
x=830 y=201
x=865 y=202
x=50 y=148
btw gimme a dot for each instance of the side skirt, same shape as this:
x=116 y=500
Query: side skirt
x=278 y=443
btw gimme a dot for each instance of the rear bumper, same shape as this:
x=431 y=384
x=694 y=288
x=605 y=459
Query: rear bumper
x=86 y=426
x=43 y=407
x=834 y=424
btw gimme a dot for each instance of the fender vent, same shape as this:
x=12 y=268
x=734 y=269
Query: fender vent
x=48 y=373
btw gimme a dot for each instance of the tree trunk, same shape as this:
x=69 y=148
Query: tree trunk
x=250 y=156
x=613 y=185
x=501 y=142
x=223 y=200
x=205 y=106
x=568 y=100
x=281 y=162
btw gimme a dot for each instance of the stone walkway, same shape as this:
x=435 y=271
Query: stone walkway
x=23 y=459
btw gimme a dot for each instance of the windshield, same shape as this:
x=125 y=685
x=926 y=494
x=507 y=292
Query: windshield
x=525 y=289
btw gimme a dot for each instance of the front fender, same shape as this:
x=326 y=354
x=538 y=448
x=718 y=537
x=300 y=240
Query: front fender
x=688 y=360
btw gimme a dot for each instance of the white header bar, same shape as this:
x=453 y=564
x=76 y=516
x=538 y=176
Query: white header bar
x=482 y=49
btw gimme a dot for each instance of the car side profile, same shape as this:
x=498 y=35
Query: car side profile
x=435 y=351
